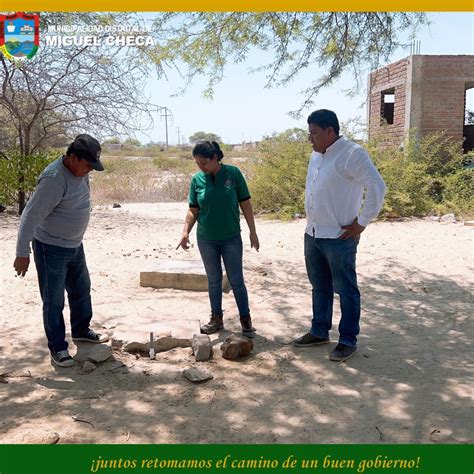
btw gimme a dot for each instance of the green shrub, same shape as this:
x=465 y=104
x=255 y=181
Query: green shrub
x=459 y=196
x=407 y=186
x=277 y=176
x=19 y=172
x=426 y=176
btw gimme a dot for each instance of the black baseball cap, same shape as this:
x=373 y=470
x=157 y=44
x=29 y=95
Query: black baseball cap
x=88 y=147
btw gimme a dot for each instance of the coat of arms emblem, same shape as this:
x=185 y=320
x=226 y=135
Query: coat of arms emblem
x=19 y=35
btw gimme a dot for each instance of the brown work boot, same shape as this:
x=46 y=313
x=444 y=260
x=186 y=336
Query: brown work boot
x=247 y=328
x=214 y=325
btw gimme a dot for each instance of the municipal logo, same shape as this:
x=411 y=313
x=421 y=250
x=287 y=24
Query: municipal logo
x=19 y=35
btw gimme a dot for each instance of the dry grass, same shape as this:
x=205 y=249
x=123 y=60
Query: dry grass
x=138 y=179
x=141 y=180
x=175 y=164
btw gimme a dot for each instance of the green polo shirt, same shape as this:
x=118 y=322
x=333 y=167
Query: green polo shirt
x=217 y=198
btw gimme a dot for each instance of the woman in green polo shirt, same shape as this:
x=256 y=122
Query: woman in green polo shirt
x=215 y=195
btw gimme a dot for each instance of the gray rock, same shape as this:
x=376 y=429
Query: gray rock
x=202 y=348
x=88 y=367
x=448 y=218
x=236 y=346
x=283 y=340
x=194 y=374
x=93 y=352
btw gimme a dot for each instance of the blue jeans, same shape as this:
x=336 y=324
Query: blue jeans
x=331 y=267
x=230 y=250
x=62 y=269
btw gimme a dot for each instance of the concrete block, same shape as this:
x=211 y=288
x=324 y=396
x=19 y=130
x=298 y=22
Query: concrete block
x=202 y=348
x=180 y=275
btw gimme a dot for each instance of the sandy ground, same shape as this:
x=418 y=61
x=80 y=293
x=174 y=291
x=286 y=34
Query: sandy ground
x=411 y=380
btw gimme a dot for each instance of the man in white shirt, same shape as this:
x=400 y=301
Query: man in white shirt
x=339 y=173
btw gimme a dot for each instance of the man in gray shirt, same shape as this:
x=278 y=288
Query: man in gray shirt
x=54 y=221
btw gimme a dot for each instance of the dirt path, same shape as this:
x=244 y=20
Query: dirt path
x=410 y=382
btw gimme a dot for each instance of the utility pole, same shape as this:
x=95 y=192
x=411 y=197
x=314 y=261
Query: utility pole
x=177 y=129
x=166 y=115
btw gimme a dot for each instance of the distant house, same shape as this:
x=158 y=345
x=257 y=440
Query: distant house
x=244 y=146
x=114 y=146
x=422 y=92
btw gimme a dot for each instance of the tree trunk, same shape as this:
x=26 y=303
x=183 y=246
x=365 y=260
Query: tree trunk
x=21 y=201
x=25 y=150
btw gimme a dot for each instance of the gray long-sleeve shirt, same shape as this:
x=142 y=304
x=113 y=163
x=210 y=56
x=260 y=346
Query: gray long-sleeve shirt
x=58 y=212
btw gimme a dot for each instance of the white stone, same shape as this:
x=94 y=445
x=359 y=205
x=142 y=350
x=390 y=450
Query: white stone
x=448 y=218
x=92 y=352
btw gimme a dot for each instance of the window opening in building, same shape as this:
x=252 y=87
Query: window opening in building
x=468 y=129
x=388 y=106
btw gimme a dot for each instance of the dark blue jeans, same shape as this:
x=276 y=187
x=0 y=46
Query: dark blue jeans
x=230 y=250
x=331 y=267
x=62 y=269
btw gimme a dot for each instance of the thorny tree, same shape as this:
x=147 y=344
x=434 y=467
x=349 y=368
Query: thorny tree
x=328 y=43
x=100 y=90
x=66 y=90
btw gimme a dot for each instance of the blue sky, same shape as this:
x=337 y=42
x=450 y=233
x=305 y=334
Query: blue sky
x=243 y=110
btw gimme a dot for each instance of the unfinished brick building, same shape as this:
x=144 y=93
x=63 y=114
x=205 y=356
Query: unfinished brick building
x=423 y=93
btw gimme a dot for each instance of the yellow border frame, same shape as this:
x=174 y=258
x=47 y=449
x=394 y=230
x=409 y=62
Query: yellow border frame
x=237 y=5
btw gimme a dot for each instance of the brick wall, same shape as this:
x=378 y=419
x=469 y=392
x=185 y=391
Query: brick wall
x=429 y=96
x=390 y=77
x=443 y=87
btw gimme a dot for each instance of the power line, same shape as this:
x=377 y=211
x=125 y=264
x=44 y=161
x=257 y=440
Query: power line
x=166 y=115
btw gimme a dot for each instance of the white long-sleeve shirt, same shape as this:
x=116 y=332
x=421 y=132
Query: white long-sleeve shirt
x=335 y=185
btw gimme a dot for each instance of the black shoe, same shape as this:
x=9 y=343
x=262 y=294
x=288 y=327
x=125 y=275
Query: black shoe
x=91 y=336
x=62 y=359
x=309 y=340
x=247 y=329
x=214 y=325
x=342 y=352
